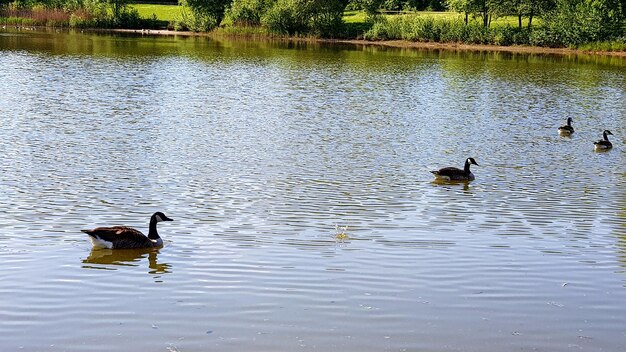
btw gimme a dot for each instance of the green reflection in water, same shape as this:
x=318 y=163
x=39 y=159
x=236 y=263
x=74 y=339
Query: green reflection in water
x=75 y=42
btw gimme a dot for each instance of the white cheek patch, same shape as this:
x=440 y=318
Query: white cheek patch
x=159 y=218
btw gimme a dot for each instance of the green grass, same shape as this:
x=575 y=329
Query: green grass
x=354 y=17
x=171 y=13
x=613 y=45
x=451 y=16
x=167 y=13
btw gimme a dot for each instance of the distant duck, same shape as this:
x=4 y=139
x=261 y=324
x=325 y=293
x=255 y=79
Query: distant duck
x=125 y=237
x=604 y=144
x=567 y=129
x=456 y=174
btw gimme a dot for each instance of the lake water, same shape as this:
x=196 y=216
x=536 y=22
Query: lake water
x=305 y=216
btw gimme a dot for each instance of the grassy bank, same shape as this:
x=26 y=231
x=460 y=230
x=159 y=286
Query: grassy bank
x=435 y=27
x=167 y=13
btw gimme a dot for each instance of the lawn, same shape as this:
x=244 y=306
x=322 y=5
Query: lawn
x=359 y=17
x=167 y=13
x=171 y=13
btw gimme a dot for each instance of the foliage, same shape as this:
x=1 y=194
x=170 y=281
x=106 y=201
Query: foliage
x=430 y=29
x=248 y=12
x=574 y=22
x=487 y=10
x=559 y=23
x=371 y=7
x=305 y=17
x=204 y=15
x=285 y=17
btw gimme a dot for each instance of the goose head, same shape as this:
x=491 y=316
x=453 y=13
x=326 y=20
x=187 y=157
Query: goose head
x=159 y=216
x=471 y=161
x=607 y=133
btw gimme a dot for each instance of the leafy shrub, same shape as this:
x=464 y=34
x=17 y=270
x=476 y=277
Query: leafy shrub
x=129 y=19
x=248 y=12
x=306 y=17
x=195 y=20
x=203 y=15
x=286 y=17
x=547 y=37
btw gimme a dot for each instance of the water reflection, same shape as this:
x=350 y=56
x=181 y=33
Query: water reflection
x=463 y=184
x=108 y=259
x=300 y=178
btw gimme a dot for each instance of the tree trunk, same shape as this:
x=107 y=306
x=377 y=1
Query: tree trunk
x=466 y=15
x=533 y=3
x=485 y=14
x=519 y=20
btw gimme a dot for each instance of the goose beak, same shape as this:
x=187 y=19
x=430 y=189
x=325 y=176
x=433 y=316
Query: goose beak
x=168 y=219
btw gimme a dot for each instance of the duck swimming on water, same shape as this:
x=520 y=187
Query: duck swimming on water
x=567 y=129
x=456 y=174
x=117 y=237
x=603 y=144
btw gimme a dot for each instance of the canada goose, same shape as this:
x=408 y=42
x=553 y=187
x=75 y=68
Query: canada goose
x=127 y=237
x=456 y=174
x=604 y=144
x=567 y=129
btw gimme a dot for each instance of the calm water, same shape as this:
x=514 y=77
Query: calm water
x=259 y=150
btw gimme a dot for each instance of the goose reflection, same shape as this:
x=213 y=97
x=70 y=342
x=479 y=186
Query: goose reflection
x=465 y=185
x=107 y=259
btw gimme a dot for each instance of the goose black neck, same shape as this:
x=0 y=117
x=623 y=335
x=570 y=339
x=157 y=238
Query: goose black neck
x=467 y=166
x=569 y=122
x=152 y=233
x=606 y=138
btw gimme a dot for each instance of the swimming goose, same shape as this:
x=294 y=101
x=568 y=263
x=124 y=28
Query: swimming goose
x=604 y=144
x=567 y=129
x=456 y=174
x=126 y=237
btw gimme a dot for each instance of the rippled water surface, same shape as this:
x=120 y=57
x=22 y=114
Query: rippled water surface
x=306 y=218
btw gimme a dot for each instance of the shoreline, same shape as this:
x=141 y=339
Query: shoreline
x=516 y=49
x=402 y=44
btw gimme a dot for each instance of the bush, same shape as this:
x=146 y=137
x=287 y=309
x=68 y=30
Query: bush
x=248 y=12
x=285 y=17
x=129 y=19
x=575 y=22
x=545 y=36
x=196 y=21
x=305 y=17
x=78 y=20
x=430 y=29
x=326 y=17
x=509 y=35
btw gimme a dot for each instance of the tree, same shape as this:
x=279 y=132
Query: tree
x=467 y=7
x=369 y=6
x=205 y=14
x=320 y=17
x=248 y=12
x=583 y=21
x=526 y=9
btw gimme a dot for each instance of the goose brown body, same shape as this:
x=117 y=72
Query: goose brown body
x=567 y=129
x=116 y=237
x=604 y=143
x=456 y=174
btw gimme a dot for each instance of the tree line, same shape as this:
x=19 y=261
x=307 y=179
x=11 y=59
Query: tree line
x=539 y=22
